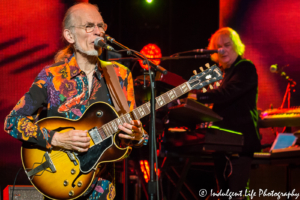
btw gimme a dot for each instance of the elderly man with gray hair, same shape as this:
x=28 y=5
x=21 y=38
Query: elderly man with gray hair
x=68 y=88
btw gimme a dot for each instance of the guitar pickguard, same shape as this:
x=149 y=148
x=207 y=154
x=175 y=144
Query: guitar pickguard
x=91 y=158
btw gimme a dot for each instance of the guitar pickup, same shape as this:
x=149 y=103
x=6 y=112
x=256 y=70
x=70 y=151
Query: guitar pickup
x=95 y=135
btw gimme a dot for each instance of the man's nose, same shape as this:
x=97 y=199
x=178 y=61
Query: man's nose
x=99 y=31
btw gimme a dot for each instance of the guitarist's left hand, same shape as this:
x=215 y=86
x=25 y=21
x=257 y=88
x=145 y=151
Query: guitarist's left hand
x=132 y=131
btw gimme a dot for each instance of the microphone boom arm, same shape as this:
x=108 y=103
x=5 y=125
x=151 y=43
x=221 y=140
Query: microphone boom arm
x=152 y=64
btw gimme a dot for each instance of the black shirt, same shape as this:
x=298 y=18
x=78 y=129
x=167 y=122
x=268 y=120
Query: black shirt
x=235 y=100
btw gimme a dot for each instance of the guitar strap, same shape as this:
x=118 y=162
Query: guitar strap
x=114 y=87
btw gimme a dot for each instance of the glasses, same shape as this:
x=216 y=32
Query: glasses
x=91 y=27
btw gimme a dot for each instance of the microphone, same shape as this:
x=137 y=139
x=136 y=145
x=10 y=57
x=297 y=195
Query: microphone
x=206 y=51
x=99 y=42
x=274 y=69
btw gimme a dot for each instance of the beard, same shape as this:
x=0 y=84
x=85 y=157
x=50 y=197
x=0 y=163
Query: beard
x=93 y=52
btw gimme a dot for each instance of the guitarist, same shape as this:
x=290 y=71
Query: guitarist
x=68 y=87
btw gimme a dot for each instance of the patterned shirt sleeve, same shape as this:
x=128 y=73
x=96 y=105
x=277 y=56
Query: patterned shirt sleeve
x=20 y=123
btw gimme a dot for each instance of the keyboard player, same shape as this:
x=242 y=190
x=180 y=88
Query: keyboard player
x=235 y=100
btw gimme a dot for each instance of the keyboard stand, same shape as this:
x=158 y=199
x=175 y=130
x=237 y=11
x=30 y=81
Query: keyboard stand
x=188 y=161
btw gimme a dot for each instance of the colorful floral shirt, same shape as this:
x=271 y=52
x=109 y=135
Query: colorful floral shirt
x=62 y=90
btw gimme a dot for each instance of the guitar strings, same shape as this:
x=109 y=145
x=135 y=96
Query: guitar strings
x=61 y=153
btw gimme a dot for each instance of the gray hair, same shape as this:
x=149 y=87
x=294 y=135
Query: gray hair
x=68 y=22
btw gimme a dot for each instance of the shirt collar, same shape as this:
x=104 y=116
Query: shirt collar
x=75 y=69
x=72 y=64
x=233 y=64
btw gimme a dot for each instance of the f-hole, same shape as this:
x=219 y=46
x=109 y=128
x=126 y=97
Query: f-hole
x=73 y=183
x=59 y=129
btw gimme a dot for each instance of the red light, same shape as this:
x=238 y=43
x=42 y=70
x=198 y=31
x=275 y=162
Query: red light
x=151 y=51
x=146 y=169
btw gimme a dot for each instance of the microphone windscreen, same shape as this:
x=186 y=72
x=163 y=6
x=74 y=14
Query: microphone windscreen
x=273 y=68
x=221 y=51
x=99 y=42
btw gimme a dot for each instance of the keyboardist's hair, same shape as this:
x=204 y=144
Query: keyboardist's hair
x=238 y=44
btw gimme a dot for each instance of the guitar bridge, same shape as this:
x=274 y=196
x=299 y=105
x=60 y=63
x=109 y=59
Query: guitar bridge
x=72 y=157
x=47 y=164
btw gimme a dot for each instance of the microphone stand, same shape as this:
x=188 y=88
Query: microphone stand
x=291 y=84
x=153 y=66
x=164 y=58
x=152 y=184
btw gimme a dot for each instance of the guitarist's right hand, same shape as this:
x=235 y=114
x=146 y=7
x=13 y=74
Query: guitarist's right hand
x=73 y=140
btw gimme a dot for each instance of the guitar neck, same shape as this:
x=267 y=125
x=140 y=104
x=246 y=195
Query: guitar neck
x=197 y=82
x=143 y=110
x=161 y=100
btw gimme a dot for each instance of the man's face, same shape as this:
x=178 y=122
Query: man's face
x=230 y=54
x=84 y=42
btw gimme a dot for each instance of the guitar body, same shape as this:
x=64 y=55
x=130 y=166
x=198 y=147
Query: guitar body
x=70 y=178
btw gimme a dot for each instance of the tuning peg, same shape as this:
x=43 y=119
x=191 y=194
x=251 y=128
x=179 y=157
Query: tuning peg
x=217 y=84
x=204 y=90
x=195 y=72
x=201 y=68
x=211 y=87
x=207 y=65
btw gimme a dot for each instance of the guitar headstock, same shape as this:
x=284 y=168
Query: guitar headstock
x=205 y=77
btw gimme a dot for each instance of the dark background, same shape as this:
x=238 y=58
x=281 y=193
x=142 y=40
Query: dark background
x=174 y=26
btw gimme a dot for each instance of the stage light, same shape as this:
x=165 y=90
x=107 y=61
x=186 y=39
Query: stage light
x=149 y=1
x=151 y=51
x=145 y=168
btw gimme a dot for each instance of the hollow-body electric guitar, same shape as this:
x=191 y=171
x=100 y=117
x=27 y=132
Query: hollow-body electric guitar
x=65 y=174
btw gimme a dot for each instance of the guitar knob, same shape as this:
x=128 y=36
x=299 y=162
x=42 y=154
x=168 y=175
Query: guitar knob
x=66 y=182
x=195 y=72
x=211 y=87
x=73 y=171
x=79 y=184
x=217 y=84
x=201 y=68
x=204 y=90
x=71 y=193
x=207 y=65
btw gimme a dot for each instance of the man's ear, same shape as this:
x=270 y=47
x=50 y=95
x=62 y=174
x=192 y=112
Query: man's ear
x=105 y=26
x=69 y=36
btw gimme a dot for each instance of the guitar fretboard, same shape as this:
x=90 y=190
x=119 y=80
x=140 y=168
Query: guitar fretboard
x=111 y=128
